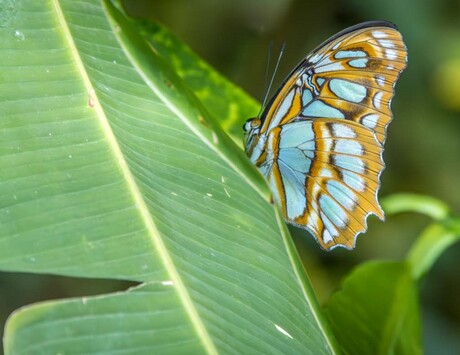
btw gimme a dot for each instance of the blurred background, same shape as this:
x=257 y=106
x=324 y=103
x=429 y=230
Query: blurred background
x=422 y=152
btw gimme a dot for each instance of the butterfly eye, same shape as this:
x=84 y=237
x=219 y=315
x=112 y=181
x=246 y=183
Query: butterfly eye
x=251 y=124
x=255 y=123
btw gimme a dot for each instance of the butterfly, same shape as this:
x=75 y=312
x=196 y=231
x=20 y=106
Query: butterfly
x=319 y=140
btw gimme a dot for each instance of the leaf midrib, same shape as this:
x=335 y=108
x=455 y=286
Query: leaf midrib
x=134 y=190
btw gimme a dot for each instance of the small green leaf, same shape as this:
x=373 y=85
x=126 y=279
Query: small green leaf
x=229 y=104
x=376 y=311
x=430 y=206
x=429 y=247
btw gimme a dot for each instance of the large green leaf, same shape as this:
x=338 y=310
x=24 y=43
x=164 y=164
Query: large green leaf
x=104 y=175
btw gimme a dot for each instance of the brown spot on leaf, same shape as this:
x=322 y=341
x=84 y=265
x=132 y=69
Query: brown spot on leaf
x=202 y=121
x=168 y=83
x=91 y=98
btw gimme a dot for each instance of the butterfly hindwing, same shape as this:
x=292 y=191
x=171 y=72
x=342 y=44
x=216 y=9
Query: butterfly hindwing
x=319 y=141
x=325 y=176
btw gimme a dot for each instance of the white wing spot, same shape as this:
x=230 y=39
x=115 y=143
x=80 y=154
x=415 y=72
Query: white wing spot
x=315 y=58
x=327 y=142
x=353 y=180
x=316 y=189
x=329 y=67
x=391 y=54
x=324 y=172
x=370 y=121
x=337 y=45
x=348 y=147
x=326 y=236
x=304 y=78
x=379 y=34
x=387 y=43
x=312 y=221
x=343 y=131
x=377 y=100
x=380 y=80
x=332 y=232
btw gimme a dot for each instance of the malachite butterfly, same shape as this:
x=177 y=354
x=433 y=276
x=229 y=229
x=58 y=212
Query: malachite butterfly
x=319 y=140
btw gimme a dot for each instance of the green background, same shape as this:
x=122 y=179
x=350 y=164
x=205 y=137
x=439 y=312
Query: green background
x=422 y=149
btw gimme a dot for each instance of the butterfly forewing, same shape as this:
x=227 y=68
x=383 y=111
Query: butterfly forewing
x=320 y=140
x=351 y=77
x=358 y=73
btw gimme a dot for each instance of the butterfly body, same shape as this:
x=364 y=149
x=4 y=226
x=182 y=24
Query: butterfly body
x=319 y=140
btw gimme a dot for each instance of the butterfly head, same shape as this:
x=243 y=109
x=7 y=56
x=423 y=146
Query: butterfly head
x=251 y=129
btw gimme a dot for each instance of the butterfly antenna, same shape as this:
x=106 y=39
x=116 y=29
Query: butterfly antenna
x=274 y=73
x=267 y=67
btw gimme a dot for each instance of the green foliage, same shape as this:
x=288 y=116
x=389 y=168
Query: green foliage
x=427 y=205
x=377 y=309
x=113 y=165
